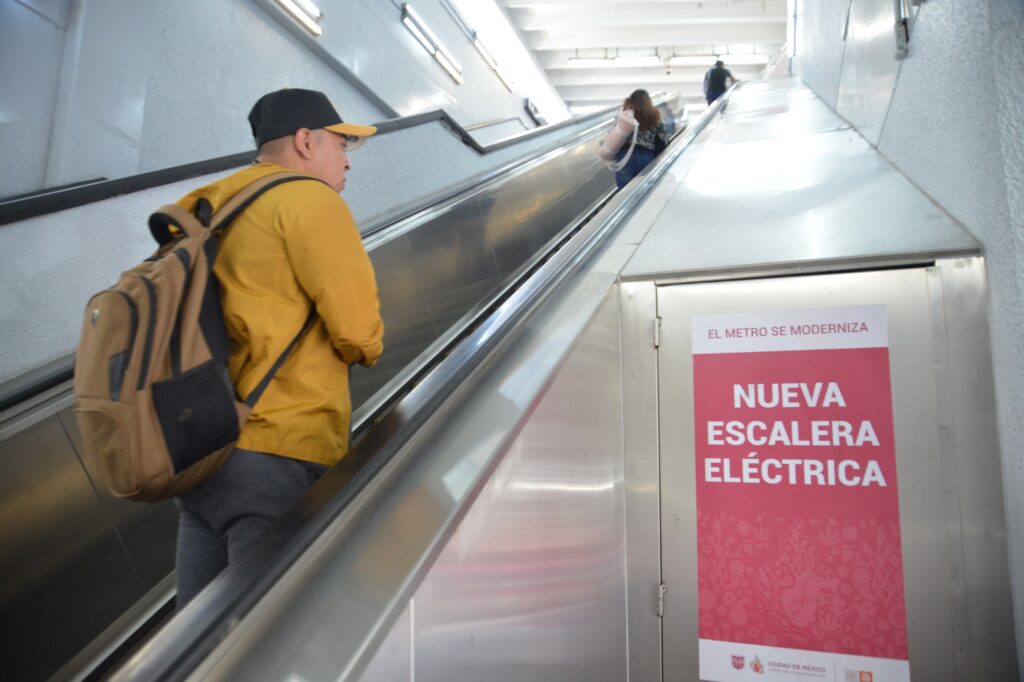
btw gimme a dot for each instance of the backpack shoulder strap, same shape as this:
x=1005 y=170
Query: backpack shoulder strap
x=222 y=219
x=172 y=215
x=234 y=206
x=251 y=399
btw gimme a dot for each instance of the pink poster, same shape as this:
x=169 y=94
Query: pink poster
x=799 y=566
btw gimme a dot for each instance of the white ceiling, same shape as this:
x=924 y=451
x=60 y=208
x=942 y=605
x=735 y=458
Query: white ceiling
x=561 y=33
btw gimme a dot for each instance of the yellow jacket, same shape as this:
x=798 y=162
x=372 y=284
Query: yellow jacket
x=295 y=246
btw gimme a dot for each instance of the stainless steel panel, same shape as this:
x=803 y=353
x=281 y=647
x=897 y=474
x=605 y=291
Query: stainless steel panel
x=532 y=584
x=65 y=574
x=640 y=437
x=452 y=265
x=408 y=324
x=555 y=210
x=792 y=197
x=393 y=660
x=599 y=178
x=579 y=173
x=147 y=531
x=434 y=268
x=326 y=617
x=971 y=469
x=932 y=529
x=775 y=109
x=508 y=213
x=870 y=66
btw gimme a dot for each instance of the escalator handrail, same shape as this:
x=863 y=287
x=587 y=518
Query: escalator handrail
x=61 y=370
x=179 y=648
x=59 y=199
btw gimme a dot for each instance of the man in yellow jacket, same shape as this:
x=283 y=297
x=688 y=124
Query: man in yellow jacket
x=294 y=248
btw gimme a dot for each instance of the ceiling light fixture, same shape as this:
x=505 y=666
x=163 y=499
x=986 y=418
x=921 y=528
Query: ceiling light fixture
x=448 y=66
x=590 y=62
x=471 y=34
x=485 y=54
x=637 y=60
x=419 y=29
x=304 y=12
x=617 y=61
x=505 y=80
x=709 y=60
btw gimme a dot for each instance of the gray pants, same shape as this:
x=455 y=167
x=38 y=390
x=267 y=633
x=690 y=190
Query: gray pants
x=224 y=514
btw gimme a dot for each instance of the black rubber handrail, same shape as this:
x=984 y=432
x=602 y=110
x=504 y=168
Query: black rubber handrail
x=14 y=210
x=177 y=650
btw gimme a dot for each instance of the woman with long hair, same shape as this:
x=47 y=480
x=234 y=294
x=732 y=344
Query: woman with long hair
x=651 y=136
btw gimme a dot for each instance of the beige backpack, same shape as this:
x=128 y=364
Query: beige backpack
x=154 y=402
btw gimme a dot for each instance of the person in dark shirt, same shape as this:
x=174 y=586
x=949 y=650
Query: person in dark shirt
x=715 y=81
x=651 y=139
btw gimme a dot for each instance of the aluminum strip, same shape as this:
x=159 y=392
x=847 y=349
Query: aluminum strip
x=643 y=478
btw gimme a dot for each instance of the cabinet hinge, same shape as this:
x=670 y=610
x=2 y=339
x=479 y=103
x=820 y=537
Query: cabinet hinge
x=657 y=332
x=660 y=609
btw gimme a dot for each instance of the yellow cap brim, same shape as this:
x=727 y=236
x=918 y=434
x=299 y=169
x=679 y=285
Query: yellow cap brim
x=356 y=133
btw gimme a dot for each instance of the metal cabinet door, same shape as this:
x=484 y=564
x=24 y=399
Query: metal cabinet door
x=950 y=514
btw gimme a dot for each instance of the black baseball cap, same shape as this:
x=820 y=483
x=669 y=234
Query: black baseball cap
x=282 y=112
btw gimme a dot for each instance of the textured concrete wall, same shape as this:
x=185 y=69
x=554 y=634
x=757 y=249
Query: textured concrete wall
x=955 y=126
x=1006 y=19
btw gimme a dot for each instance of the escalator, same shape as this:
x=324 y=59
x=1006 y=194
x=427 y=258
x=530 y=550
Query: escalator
x=531 y=509
x=86 y=576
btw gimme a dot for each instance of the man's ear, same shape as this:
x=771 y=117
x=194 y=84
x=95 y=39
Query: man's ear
x=303 y=142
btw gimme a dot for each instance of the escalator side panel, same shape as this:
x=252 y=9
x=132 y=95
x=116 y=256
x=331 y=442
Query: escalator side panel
x=408 y=325
x=507 y=213
x=452 y=263
x=555 y=202
x=588 y=176
x=532 y=584
x=431 y=276
x=76 y=558
x=58 y=545
x=148 y=531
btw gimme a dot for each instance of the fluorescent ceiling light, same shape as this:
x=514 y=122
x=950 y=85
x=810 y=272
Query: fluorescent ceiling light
x=505 y=80
x=314 y=12
x=448 y=66
x=304 y=12
x=448 y=56
x=588 y=62
x=639 y=60
x=693 y=60
x=584 y=109
x=729 y=59
x=410 y=13
x=419 y=35
x=517 y=67
x=485 y=54
x=431 y=44
x=616 y=62
x=435 y=44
